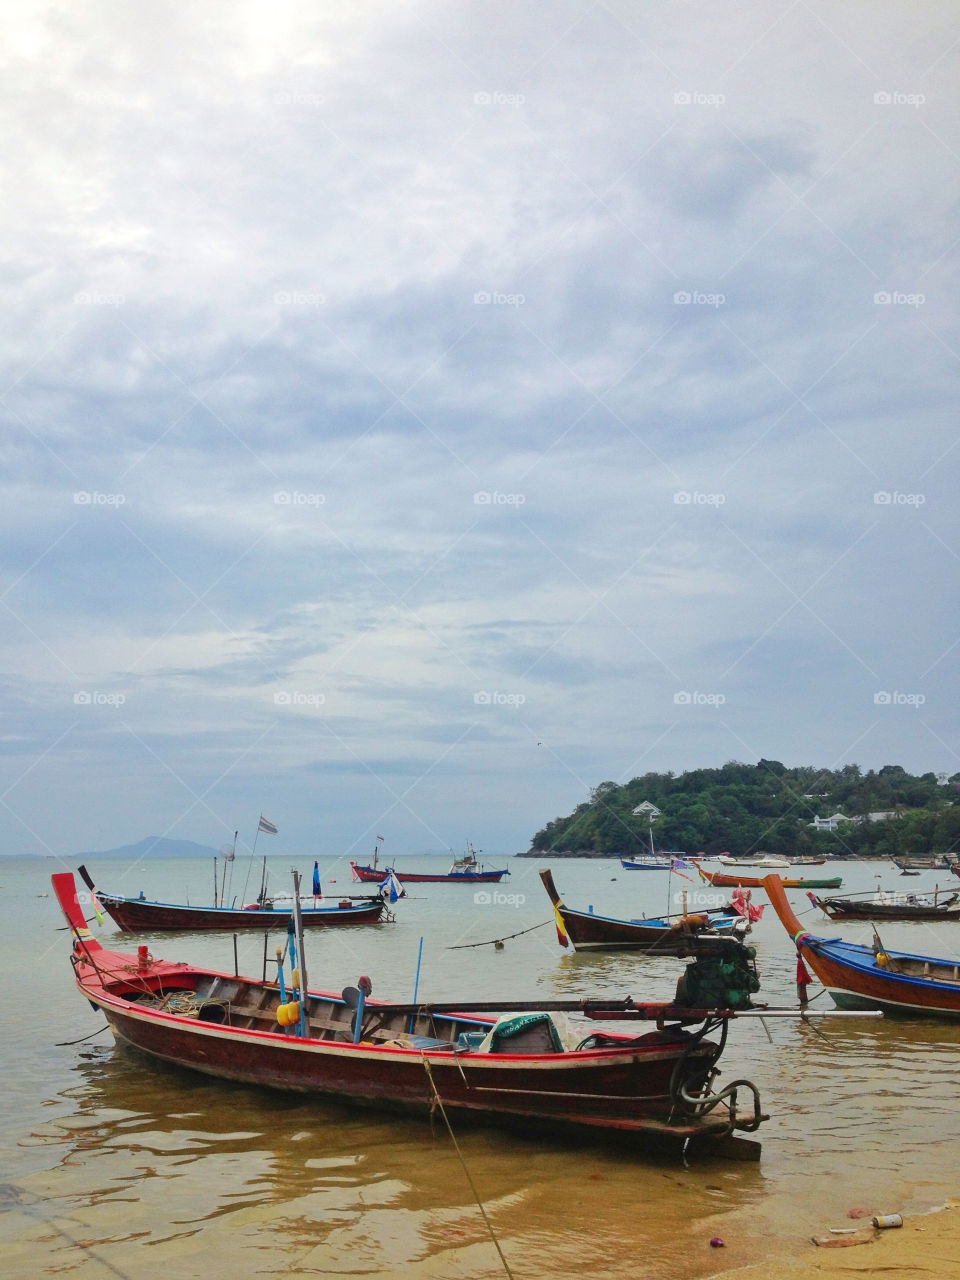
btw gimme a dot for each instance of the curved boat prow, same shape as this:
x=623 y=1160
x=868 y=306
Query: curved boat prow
x=65 y=887
x=778 y=900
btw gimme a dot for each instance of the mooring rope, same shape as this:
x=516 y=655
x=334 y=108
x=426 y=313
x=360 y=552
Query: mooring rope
x=492 y=942
x=438 y=1102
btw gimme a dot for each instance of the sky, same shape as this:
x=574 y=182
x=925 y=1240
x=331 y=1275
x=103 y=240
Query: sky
x=415 y=414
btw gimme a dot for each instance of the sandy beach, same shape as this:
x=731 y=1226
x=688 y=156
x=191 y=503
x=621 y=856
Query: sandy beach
x=927 y=1245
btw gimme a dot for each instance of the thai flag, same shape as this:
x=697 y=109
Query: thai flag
x=267 y=826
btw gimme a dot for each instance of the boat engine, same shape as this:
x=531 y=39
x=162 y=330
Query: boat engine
x=720 y=977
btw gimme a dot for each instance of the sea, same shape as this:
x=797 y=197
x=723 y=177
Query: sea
x=117 y=1166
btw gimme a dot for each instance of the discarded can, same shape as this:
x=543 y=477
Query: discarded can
x=888 y=1220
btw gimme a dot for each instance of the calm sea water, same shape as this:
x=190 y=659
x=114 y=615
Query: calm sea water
x=115 y=1166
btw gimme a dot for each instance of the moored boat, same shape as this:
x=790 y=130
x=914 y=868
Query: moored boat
x=510 y=1062
x=891 y=906
x=664 y=935
x=729 y=880
x=646 y=862
x=764 y=860
x=861 y=977
x=141 y=915
x=465 y=870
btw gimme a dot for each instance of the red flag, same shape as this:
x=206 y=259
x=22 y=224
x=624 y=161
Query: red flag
x=803 y=979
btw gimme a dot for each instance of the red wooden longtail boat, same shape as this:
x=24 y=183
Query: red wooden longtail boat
x=860 y=977
x=528 y=1068
x=141 y=915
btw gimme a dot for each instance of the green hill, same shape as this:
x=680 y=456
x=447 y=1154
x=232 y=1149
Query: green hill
x=744 y=808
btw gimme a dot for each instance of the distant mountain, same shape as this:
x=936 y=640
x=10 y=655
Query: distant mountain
x=154 y=847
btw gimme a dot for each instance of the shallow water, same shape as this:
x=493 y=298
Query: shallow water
x=114 y=1165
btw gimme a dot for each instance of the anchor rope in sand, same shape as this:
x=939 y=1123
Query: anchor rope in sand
x=438 y=1103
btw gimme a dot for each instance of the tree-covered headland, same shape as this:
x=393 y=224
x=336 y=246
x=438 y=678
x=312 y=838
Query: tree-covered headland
x=745 y=808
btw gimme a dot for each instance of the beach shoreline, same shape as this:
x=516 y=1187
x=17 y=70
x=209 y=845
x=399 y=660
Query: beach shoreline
x=926 y=1245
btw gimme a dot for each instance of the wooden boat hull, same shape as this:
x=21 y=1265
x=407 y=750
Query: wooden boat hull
x=859 y=977
x=226 y=1026
x=851 y=909
x=131 y=915
x=587 y=931
x=726 y=880
x=371 y=875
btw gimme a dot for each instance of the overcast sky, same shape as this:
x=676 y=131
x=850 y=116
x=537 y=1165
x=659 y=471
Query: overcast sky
x=417 y=413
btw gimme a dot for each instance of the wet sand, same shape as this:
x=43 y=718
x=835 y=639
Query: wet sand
x=927 y=1245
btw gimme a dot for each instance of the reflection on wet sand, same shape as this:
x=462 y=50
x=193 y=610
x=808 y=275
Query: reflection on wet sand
x=269 y=1183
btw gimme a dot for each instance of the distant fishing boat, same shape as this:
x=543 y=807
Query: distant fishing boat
x=465 y=870
x=730 y=879
x=763 y=860
x=646 y=862
x=141 y=915
x=860 y=977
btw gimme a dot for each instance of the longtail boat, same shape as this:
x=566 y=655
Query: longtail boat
x=465 y=870
x=511 y=1062
x=141 y=915
x=896 y=906
x=727 y=880
x=861 y=977
x=665 y=935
